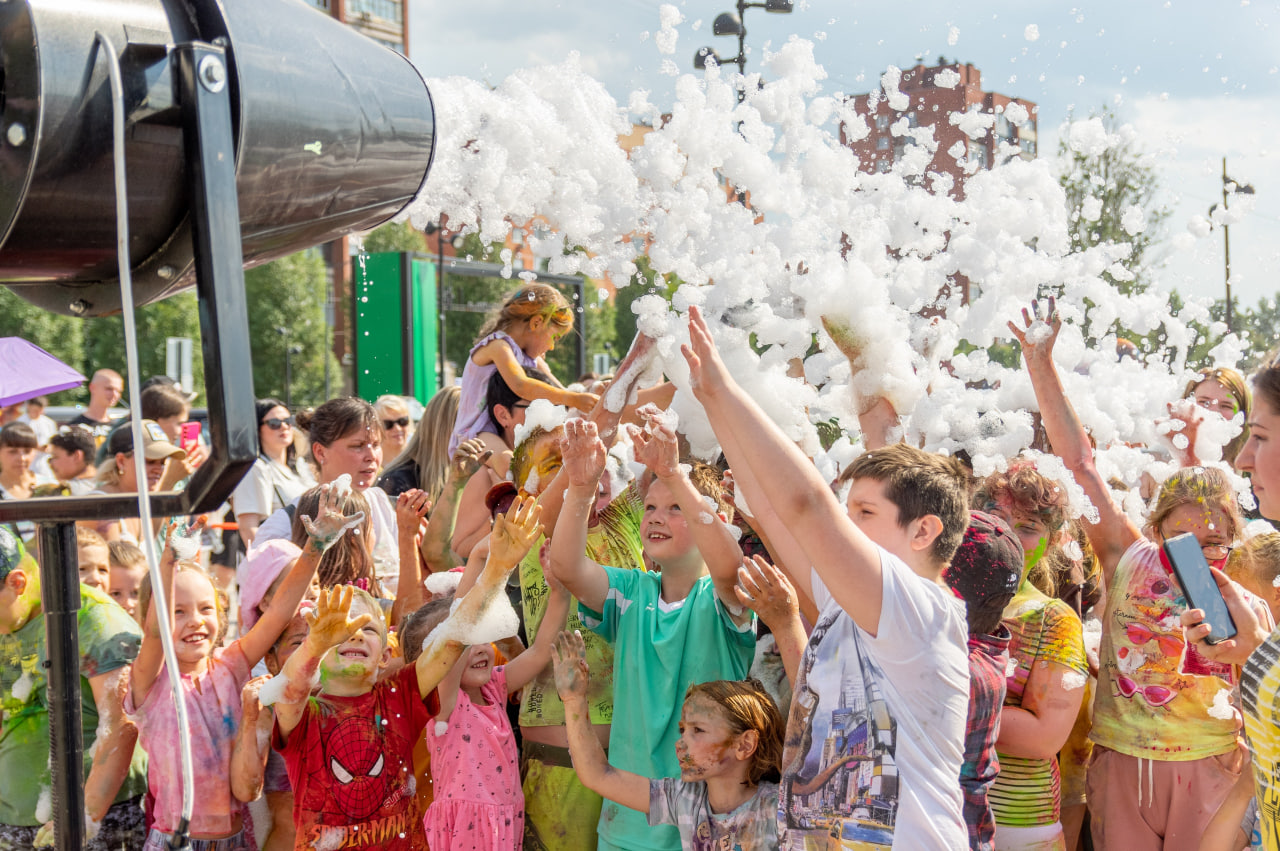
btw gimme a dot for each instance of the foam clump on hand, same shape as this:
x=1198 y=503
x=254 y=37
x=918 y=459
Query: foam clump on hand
x=496 y=621
x=272 y=691
x=184 y=540
x=342 y=486
x=444 y=583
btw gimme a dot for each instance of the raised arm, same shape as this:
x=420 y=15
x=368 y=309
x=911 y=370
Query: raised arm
x=589 y=761
x=583 y=455
x=765 y=590
x=658 y=450
x=411 y=507
x=845 y=558
x=437 y=541
x=522 y=669
x=114 y=745
x=330 y=625
x=513 y=535
x=323 y=532
x=500 y=355
x=877 y=419
x=1114 y=532
x=146 y=667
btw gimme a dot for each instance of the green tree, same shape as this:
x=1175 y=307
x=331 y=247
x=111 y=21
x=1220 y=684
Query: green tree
x=60 y=336
x=395 y=236
x=176 y=316
x=646 y=281
x=1120 y=177
x=1262 y=325
x=291 y=293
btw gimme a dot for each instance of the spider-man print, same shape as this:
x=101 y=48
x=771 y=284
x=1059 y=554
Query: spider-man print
x=357 y=765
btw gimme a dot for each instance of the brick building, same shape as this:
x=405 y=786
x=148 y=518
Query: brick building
x=930 y=95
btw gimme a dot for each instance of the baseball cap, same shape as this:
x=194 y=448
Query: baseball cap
x=155 y=443
x=260 y=568
x=986 y=570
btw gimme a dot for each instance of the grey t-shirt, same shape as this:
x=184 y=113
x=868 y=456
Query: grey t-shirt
x=752 y=825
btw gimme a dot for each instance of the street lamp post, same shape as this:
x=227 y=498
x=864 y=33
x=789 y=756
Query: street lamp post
x=727 y=23
x=1240 y=189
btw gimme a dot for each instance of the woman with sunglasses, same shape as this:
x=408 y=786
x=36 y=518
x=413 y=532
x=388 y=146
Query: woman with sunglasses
x=1166 y=752
x=276 y=479
x=397 y=427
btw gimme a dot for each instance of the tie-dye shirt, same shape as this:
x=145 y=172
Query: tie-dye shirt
x=109 y=641
x=1260 y=691
x=1045 y=631
x=1156 y=696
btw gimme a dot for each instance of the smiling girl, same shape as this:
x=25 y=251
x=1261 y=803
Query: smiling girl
x=730 y=750
x=212 y=680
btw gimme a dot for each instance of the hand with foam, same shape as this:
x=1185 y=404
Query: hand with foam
x=330 y=522
x=656 y=447
x=1038 y=334
x=569 y=656
x=515 y=532
x=331 y=623
x=582 y=454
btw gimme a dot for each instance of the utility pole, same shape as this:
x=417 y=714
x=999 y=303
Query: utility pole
x=1226 y=246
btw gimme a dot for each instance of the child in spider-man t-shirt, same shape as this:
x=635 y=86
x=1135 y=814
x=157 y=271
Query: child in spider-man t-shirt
x=349 y=748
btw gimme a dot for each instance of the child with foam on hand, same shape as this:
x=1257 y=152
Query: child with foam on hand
x=349 y=750
x=475 y=764
x=527 y=326
x=729 y=752
x=670 y=630
x=212 y=680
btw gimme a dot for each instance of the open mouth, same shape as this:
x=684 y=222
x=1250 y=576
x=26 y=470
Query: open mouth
x=196 y=638
x=354 y=653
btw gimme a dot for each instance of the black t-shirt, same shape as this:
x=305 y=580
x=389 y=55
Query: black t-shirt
x=401 y=479
x=98 y=428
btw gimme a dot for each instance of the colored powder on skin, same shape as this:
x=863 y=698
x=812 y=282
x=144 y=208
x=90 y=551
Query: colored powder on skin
x=1033 y=557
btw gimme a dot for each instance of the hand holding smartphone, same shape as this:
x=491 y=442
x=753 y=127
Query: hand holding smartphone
x=1199 y=587
x=190 y=436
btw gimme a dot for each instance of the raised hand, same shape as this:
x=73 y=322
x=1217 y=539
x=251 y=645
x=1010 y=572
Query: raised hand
x=583 y=454
x=584 y=402
x=1037 y=335
x=411 y=507
x=569 y=657
x=331 y=622
x=656 y=448
x=467 y=459
x=330 y=522
x=765 y=590
x=515 y=532
x=844 y=338
x=707 y=373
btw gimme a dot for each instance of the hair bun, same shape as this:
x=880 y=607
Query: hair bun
x=303 y=418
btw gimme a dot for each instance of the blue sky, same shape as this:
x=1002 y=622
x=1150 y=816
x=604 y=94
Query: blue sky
x=1198 y=80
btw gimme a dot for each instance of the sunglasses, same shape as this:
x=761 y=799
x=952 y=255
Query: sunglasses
x=1154 y=696
x=403 y=422
x=1170 y=645
x=275 y=423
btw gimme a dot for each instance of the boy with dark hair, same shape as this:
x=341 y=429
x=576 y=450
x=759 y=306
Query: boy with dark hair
x=71 y=454
x=669 y=630
x=875 y=740
x=985 y=573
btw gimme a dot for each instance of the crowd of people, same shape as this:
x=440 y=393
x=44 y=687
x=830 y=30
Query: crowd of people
x=531 y=619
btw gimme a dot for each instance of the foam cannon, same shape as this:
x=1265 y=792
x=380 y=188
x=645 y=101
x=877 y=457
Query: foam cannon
x=251 y=129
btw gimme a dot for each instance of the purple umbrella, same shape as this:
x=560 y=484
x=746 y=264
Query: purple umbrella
x=28 y=371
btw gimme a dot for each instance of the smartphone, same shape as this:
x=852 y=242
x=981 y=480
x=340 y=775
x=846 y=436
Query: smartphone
x=190 y=437
x=1198 y=585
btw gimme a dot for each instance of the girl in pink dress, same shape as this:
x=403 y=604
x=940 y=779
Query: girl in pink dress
x=474 y=762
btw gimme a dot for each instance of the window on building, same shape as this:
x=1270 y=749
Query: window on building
x=979 y=153
x=882 y=144
x=322 y=5
x=387 y=10
x=1028 y=146
x=882 y=122
x=882 y=166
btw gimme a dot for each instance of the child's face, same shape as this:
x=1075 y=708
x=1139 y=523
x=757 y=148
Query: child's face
x=877 y=517
x=664 y=529
x=95 y=567
x=478 y=662
x=195 y=617
x=16 y=460
x=290 y=640
x=125 y=582
x=707 y=746
x=359 y=657
x=542 y=337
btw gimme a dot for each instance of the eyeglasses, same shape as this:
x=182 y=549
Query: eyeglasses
x=1154 y=696
x=1226 y=407
x=1216 y=552
x=275 y=423
x=403 y=422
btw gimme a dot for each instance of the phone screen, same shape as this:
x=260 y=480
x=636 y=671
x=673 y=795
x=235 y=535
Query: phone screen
x=1198 y=585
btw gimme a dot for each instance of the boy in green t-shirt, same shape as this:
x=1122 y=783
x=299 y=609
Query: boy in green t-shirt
x=109 y=641
x=670 y=629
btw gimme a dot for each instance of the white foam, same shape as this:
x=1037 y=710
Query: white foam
x=444 y=583
x=341 y=486
x=540 y=413
x=23 y=686
x=1222 y=708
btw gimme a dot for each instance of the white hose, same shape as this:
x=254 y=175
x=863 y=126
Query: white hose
x=148 y=539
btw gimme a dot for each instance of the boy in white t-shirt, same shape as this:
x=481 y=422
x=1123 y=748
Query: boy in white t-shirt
x=875 y=740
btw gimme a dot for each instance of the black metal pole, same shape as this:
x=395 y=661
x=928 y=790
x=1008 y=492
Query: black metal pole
x=60 y=600
x=1226 y=246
